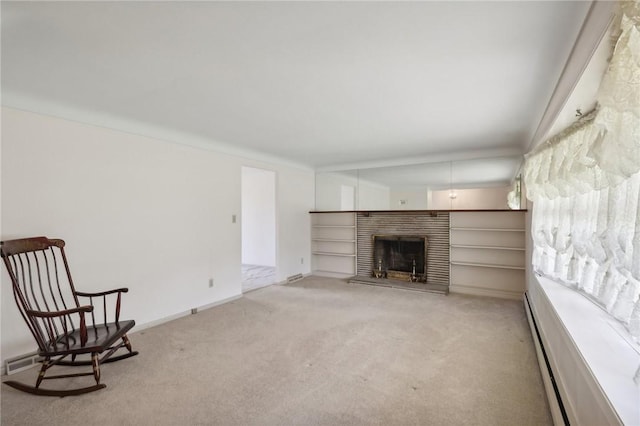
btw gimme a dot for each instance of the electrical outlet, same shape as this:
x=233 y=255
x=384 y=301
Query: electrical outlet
x=210 y=282
x=302 y=260
x=233 y=218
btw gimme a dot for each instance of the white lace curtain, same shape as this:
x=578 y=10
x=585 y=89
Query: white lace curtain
x=585 y=186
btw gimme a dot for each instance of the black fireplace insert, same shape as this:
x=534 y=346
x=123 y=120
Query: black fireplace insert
x=400 y=256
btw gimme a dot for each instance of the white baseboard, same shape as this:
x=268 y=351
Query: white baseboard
x=141 y=327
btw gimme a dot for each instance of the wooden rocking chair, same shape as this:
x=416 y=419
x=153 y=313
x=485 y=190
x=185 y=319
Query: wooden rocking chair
x=49 y=304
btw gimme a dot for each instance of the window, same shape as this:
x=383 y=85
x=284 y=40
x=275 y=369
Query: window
x=585 y=185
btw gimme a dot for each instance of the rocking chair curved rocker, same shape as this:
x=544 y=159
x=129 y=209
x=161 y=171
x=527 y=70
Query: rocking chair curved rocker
x=61 y=326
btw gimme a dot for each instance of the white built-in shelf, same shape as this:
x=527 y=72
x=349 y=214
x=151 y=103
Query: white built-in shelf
x=490 y=229
x=326 y=253
x=488 y=265
x=334 y=243
x=331 y=273
x=487 y=252
x=334 y=240
x=487 y=247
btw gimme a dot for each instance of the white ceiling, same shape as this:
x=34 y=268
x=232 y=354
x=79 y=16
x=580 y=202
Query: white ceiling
x=328 y=85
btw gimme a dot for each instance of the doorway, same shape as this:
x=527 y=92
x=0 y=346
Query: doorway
x=258 y=188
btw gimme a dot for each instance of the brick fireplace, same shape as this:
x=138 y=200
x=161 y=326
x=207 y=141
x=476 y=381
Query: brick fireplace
x=432 y=227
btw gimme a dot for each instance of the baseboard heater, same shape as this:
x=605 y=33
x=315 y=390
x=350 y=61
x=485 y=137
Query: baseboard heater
x=555 y=400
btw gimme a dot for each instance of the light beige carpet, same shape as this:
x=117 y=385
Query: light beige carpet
x=316 y=352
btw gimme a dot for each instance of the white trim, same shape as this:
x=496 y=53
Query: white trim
x=160 y=321
x=594 y=29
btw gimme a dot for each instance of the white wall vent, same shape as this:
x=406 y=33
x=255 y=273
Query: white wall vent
x=23 y=363
x=294 y=278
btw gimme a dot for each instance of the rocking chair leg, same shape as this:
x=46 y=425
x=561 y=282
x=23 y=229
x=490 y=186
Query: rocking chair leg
x=127 y=343
x=95 y=361
x=45 y=366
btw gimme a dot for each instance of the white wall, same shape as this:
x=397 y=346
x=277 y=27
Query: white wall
x=258 y=217
x=478 y=198
x=137 y=212
x=295 y=201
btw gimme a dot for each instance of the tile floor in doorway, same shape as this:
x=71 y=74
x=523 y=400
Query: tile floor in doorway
x=256 y=276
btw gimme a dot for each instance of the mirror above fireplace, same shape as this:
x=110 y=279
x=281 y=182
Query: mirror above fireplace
x=448 y=185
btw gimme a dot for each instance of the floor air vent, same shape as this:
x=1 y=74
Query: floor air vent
x=294 y=278
x=19 y=364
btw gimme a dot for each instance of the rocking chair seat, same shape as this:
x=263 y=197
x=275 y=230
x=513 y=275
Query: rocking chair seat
x=100 y=338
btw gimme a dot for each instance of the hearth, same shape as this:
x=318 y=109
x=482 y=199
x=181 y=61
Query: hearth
x=400 y=257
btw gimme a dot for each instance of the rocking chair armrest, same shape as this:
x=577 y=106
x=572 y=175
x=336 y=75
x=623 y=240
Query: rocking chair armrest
x=40 y=314
x=102 y=293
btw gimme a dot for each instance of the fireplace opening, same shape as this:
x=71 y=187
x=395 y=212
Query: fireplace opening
x=402 y=257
